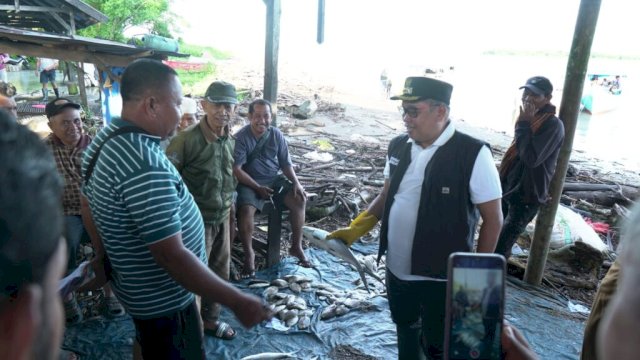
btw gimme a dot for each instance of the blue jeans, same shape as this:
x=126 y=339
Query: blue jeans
x=73 y=232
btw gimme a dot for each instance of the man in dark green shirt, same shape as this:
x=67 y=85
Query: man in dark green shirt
x=203 y=155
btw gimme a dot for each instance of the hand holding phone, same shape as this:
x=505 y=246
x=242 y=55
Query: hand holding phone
x=475 y=306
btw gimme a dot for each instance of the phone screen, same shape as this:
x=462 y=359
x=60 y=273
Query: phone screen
x=475 y=306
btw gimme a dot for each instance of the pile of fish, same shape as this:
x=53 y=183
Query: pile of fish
x=286 y=300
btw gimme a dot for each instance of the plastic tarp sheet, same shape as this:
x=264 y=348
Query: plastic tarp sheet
x=553 y=331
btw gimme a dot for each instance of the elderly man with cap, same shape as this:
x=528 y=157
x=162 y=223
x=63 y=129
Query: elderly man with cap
x=436 y=180
x=203 y=155
x=68 y=143
x=530 y=162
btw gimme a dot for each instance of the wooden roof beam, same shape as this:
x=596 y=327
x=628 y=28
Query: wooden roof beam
x=70 y=54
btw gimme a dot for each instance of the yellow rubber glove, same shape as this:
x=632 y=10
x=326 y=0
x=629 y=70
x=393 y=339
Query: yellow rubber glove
x=358 y=227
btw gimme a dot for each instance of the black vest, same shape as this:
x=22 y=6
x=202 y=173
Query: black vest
x=446 y=217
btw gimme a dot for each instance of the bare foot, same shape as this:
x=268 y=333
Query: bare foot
x=302 y=258
x=249 y=269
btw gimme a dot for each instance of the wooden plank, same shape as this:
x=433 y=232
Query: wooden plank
x=272 y=48
x=569 y=109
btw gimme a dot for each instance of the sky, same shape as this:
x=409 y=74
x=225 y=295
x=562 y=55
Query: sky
x=410 y=30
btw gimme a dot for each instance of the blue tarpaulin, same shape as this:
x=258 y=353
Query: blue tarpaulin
x=553 y=331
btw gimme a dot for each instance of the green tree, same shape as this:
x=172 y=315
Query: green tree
x=154 y=15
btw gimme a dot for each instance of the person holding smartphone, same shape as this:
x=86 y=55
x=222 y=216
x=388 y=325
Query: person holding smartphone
x=436 y=180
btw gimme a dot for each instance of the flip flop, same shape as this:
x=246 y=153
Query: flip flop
x=222 y=331
x=306 y=264
x=112 y=307
x=72 y=311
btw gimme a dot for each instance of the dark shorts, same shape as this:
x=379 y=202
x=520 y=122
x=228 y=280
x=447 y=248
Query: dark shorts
x=247 y=196
x=47 y=76
x=172 y=337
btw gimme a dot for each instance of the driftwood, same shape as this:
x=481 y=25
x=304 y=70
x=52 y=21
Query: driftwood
x=602 y=198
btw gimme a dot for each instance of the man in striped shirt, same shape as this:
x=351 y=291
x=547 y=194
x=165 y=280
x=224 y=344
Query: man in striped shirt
x=148 y=222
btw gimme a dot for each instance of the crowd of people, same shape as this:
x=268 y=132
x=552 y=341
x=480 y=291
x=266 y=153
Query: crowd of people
x=159 y=210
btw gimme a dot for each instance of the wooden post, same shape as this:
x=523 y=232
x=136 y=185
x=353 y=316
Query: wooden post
x=569 y=109
x=83 y=90
x=271 y=54
x=320 y=37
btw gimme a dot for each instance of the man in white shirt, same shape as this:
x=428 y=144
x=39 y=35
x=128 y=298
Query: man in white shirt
x=436 y=180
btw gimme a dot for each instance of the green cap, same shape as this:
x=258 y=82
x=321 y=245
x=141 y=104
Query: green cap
x=221 y=92
x=421 y=88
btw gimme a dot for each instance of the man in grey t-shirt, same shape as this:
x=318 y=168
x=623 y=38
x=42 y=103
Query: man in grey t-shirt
x=260 y=180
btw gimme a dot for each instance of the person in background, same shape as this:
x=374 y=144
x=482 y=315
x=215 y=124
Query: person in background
x=530 y=162
x=9 y=104
x=46 y=70
x=32 y=250
x=436 y=180
x=68 y=143
x=4 y=57
x=189 y=113
x=203 y=155
x=605 y=293
x=145 y=225
x=265 y=172
x=617 y=336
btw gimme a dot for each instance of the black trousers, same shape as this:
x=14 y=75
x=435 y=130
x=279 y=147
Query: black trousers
x=517 y=215
x=173 y=337
x=418 y=310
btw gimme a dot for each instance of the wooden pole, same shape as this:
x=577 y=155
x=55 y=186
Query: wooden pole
x=320 y=37
x=271 y=54
x=569 y=109
x=83 y=90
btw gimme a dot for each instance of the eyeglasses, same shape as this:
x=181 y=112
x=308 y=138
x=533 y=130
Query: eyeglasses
x=410 y=111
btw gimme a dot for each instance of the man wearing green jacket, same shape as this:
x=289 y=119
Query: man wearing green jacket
x=203 y=155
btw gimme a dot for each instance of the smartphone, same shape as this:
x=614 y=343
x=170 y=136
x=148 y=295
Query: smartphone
x=475 y=306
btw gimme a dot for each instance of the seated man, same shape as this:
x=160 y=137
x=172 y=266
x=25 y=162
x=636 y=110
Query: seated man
x=32 y=250
x=260 y=153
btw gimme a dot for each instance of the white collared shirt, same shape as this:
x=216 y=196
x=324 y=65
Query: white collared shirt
x=484 y=186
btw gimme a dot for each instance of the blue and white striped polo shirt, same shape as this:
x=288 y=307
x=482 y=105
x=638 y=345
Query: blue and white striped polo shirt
x=137 y=198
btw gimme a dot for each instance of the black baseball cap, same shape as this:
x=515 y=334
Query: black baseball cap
x=55 y=107
x=421 y=88
x=221 y=92
x=539 y=85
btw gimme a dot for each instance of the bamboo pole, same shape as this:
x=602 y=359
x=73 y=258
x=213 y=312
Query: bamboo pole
x=569 y=109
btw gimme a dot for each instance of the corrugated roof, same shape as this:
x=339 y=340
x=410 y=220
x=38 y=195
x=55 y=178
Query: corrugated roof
x=58 y=16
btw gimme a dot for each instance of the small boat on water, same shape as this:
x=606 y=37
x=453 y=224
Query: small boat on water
x=601 y=93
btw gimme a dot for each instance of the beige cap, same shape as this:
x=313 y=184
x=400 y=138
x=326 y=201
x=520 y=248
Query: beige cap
x=188 y=106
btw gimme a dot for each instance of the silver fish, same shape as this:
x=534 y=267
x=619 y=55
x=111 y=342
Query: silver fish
x=290 y=322
x=279 y=283
x=341 y=310
x=258 y=285
x=335 y=247
x=270 y=356
x=318 y=238
x=295 y=287
x=328 y=312
x=304 y=322
x=270 y=291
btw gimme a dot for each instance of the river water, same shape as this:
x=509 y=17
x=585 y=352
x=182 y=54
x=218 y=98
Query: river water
x=486 y=94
